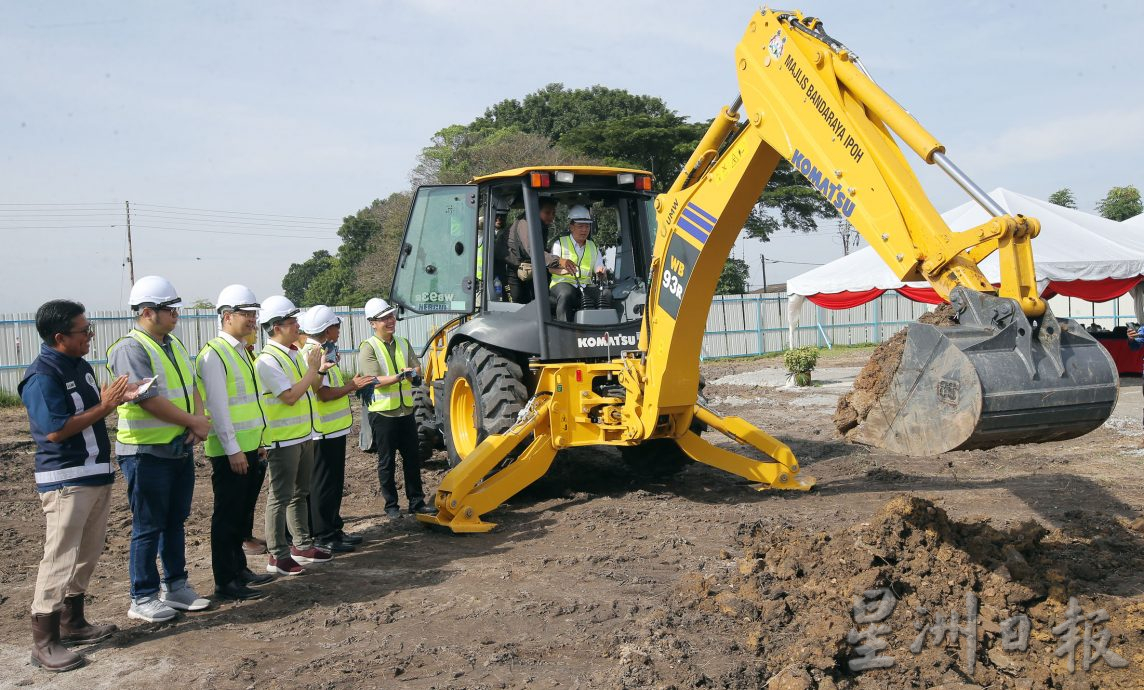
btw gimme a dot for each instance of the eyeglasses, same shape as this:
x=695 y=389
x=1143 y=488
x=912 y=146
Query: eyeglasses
x=169 y=310
x=90 y=330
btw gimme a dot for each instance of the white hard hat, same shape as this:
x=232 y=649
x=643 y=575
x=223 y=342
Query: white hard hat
x=579 y=214
x=317 y=319
x=276 y=307
x=153 y=291
x=237 y=297
x=376 y=308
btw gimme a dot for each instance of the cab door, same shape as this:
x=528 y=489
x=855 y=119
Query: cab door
x=436 y=264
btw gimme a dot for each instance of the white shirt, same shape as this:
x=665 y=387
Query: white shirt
x=276 y=380
x=213 y=371
x=557 y=249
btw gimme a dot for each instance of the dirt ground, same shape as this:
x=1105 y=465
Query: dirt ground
x=598 y=579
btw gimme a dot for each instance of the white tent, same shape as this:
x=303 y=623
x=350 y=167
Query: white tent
x=1075 y=253
x=1136 y=225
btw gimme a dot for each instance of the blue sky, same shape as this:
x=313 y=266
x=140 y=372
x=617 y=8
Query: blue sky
x=298 y=113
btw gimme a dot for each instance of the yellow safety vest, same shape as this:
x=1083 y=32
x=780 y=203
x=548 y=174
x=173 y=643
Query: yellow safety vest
x=246 y=414
x=332 y=415
x=587 y=262
x=286 y=422
x=175 y=381
x=391 y=397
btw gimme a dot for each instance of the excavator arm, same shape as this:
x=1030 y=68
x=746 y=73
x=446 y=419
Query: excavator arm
x=805 y=97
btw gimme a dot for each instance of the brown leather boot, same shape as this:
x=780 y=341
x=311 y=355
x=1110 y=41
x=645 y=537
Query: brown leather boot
x=47 y=651
x=75 y=628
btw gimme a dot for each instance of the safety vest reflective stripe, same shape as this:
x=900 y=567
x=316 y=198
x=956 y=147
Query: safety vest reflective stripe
x=587 y=262
x=174 y=381
x=68 y=473
x=391 y=397
x=287 y=422
x=330 y=416
x=258 y=424
x=246 y=415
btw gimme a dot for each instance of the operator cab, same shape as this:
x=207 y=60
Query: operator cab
x=453 y=260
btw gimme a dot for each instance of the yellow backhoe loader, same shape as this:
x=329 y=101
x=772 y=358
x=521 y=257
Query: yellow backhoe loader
x=508 y=385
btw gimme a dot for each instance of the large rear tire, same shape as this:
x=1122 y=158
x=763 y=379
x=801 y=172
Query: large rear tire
x=484 y=392
x=428 y=435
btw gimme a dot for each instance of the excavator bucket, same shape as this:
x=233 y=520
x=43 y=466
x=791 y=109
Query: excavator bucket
x=994 y=379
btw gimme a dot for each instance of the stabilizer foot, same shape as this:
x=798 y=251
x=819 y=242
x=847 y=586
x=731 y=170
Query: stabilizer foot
x=480 y=483
x=780 y=472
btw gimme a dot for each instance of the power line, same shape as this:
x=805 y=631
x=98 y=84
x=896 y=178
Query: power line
x=239 y=234
x=138 y=205
x=62 y=227
x=167 y=216
x=52 y=214
x=90 y=203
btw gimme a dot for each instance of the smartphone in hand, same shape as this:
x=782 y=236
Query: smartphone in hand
x=145 y=385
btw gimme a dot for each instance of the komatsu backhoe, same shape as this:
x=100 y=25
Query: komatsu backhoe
x=508 y=385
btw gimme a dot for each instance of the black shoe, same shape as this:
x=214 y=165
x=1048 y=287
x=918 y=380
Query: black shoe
x=334 y=546
x=423 y=509
x=392 y=513
x=351 y=539
x=236 y=591
x=252 y=579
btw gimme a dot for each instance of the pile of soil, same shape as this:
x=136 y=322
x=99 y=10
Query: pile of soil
x=788 y=601
x=878 y=373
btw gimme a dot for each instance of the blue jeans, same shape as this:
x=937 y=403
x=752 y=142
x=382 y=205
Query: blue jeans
x=160 y=492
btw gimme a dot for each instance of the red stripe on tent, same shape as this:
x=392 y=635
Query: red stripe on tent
x=1094 y=290
x=924 y=295
x=844 y=299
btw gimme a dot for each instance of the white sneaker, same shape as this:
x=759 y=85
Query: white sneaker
x=184 y=598
x=151 y=609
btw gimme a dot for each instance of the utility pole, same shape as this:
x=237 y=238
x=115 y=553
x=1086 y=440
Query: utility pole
x=763 y=261
x=130 y=254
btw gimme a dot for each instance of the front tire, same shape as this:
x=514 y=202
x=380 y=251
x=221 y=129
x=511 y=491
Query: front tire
x=428 y=435
x=483 y=394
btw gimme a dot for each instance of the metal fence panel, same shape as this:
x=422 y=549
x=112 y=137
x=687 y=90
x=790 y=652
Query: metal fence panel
x=737 y=326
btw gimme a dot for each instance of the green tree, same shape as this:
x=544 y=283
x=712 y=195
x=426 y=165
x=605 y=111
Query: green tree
x=299 y=276
x=660 y=144
x=357 y=231
x=733 y=280
x=797 y=203
x=1063 y=197
x=458 y=153
x=552 y=126
x=554 y=110
x=1121 y=203
x=201 y=303
x=334 y=286
x=374 y=273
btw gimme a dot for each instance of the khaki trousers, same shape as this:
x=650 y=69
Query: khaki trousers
x=76 y=518
x=288 y=502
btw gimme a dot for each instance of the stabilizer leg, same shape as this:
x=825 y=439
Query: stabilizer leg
x=467 y=491
x=781 y=472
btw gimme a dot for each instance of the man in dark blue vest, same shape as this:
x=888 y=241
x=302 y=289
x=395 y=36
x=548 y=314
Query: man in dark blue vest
x=73 y=477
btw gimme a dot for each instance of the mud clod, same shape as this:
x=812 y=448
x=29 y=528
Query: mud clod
x=804 y=591
x=875 y=378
